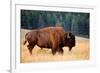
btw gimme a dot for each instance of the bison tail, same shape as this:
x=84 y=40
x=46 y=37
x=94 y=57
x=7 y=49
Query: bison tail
x=24 y=42
x=25 y=39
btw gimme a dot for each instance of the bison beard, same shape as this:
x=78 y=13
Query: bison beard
x=50 y=37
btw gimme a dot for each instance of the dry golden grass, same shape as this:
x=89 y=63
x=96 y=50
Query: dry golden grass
x=79 y=52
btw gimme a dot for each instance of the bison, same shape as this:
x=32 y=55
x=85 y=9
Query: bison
x=54 y=38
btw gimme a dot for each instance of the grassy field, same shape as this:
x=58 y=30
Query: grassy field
x=79 y=52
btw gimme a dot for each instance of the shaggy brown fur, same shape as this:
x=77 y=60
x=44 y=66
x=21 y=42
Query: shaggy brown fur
x=50 y=37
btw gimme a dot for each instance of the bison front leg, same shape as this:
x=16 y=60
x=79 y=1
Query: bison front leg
x=54 y=51
x=70 y=48
x=60 y=51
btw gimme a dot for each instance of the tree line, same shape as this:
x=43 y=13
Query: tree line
x=75 y=22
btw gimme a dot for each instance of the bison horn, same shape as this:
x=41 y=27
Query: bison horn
x=68 y=36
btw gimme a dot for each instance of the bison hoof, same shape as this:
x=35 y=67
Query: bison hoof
x=70 y=49
x=30 y=53
x=61 y=52
x=53 y=52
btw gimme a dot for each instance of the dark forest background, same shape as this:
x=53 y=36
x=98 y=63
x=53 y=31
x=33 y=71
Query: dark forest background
x=75 y=22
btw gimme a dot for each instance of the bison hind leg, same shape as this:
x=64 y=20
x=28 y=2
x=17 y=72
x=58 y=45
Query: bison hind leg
x=30 y=48
x=41 y=48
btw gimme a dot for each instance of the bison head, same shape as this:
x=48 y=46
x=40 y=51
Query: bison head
x=69 y=40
